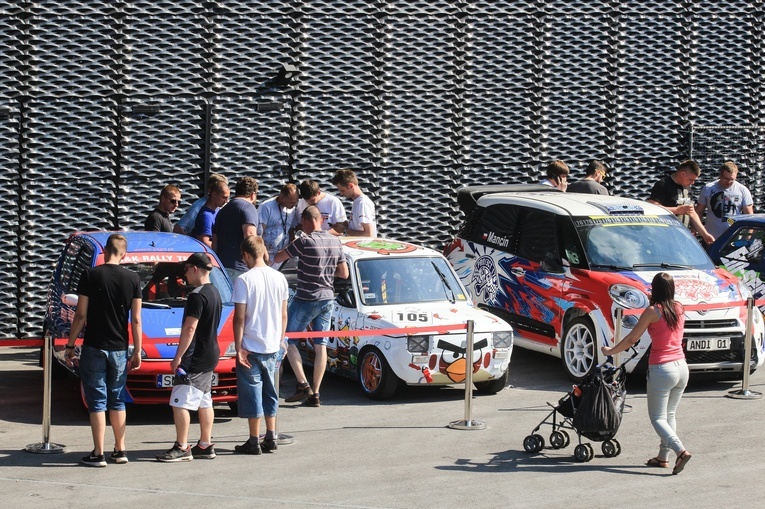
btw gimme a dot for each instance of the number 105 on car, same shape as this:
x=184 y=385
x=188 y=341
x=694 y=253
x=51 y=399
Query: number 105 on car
x=708 y=344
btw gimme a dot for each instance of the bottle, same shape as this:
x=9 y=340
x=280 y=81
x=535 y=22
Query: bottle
x=181 y=373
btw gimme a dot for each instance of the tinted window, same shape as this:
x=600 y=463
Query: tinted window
x=494 y=226
x=77 y=258
x=537 y=237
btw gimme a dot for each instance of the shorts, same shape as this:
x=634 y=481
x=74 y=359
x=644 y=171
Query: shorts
x=301 y=313
x=255 y=388
x=193 y=394
x=103 y=374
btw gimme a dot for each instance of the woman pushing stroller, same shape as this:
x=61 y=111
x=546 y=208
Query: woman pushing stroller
x=667 y=370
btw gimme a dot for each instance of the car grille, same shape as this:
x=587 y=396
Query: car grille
x=724 y=323
x=145 y=386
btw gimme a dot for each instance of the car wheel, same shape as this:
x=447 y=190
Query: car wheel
x=493 y=386
x=578 y=349
x=375 y=376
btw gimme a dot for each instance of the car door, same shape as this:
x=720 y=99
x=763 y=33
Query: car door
x=342 y=350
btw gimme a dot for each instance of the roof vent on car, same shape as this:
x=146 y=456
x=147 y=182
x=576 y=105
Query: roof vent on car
x=618 y=208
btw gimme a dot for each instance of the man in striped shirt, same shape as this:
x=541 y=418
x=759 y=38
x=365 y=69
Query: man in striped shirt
x=320 y=261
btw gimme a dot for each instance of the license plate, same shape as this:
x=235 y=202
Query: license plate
x=708 y=344
x=167 y=380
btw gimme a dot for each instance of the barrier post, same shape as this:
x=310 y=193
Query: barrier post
x=45 y=447
x=618 y=333
x=468 y=422
x=745 y=393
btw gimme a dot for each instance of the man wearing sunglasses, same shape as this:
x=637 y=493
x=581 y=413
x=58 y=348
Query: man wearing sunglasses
x=159 y=219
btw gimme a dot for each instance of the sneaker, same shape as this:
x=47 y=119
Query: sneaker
x=175 y=454
x=93 y=460
x=119 y=456
x=247 y=448
x=207 y=453
x=312 y=400
x=268 y=445
x=301 y=393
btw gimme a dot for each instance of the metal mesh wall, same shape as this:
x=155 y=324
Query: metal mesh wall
x=106 y=101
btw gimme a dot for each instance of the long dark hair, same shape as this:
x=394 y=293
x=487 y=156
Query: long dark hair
x=663 y=297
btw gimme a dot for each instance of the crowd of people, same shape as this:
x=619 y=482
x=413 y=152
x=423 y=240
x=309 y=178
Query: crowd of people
x=304 y=222
x=718 y=201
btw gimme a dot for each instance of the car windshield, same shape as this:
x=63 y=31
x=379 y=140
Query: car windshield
x=163 y=284
x=639 y=242
x=402 y=280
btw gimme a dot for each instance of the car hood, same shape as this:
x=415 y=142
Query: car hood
x=692 y=286
x=436 y=314
x=162 y=328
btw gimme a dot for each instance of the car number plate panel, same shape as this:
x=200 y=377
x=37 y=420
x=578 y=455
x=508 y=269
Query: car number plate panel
x=707 y=344
x=166 y=380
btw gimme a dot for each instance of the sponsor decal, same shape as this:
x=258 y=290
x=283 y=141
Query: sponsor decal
x=485 y=279
x=496 y=239
x=383 y=247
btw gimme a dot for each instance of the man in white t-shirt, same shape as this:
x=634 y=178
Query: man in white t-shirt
x=331 y=208
x=260 y=322
x=724 y=199
x=362 y=221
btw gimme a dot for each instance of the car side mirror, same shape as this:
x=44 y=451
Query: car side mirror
x=346 y=298
x=70 y=299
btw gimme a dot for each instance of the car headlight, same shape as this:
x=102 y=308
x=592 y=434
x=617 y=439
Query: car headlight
x=628 y=296
x=230 y=350
x=502 y=339
x=418 y=344
x=629 y=321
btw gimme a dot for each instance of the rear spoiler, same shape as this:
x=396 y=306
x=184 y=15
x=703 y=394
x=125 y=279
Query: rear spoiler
x=467 y=197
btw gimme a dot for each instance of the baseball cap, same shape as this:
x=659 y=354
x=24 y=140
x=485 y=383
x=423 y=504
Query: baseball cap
x=199 y=260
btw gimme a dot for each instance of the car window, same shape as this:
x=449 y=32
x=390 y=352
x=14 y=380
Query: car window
x=619 y=242
x=494 y=225
x=745 y=245
x=537 y=236
x=164 y=283
x=402 y=280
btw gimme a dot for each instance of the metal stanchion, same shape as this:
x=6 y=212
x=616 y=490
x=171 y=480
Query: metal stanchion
x=468 y=422
x=46 y=447
x=618 y=357
x=745 y=393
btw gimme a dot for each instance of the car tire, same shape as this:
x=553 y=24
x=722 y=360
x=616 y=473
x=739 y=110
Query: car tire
x=493 y=386
x=376 y=378
x=578 y=349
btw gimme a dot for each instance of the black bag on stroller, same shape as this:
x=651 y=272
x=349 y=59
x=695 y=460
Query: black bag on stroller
x=599 y=413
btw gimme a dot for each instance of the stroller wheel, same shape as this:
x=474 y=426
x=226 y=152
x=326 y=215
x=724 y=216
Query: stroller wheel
x=540 y=442
x=581 y=453
x=591 y=452
x=566 y=437
x=609 y=449
x=557 y=440
x=618 y=446
x=530 y=444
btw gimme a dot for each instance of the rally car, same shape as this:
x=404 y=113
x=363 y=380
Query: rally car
x=396 y=285
x=740 y=251
x=557 y=266
x=158 y=259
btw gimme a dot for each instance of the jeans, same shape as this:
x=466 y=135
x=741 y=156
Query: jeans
x=255 y=386
x=666 y=383
x=103 y=374
x=303 y=312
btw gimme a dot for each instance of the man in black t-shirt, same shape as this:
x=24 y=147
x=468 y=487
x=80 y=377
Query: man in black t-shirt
x=672 y=193
x=194 y=363
x=107 y=294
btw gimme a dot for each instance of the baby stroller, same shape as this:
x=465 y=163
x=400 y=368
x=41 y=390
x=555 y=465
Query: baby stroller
x=592 y=409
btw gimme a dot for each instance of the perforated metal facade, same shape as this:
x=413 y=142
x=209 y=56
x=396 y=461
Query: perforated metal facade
x=104 y=102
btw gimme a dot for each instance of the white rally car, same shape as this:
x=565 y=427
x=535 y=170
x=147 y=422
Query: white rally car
x=395 y=285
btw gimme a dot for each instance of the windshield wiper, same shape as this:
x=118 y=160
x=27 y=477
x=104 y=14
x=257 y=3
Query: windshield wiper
x=663 y=265
x=155 y=305
x=447 y=286
x=610 y=266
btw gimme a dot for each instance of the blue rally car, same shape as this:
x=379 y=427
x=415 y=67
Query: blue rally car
x=740 y=251
x=157 y=258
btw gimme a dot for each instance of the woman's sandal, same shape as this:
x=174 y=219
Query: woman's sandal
x=681 y=461
x=656 y=462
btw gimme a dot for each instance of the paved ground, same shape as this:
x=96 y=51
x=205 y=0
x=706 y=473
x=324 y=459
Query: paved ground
x=352 y=452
